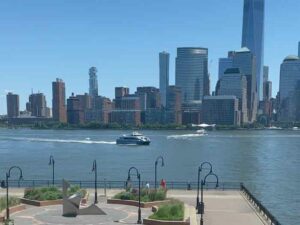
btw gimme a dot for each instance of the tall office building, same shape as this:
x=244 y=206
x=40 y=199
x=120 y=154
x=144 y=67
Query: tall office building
x=225 y=63
x=164 y=59
x=221 y=110
x=93 y=82
x=174 y=102
x=245 y=61
x=59 y=101
x=253 y=36
x=37 y=105
x=149 y=97
x=289 y=88
x=192 y=73
x=73 y=110
x=233 y=82
x=13 y=105
x=266 y=74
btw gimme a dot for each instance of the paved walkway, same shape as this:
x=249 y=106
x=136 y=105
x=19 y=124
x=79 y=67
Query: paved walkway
x=221 y=207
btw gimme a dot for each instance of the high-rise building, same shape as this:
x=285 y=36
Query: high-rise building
x=267 y=90
x=266 y=74
x=73 y=110
x=288 y=88
x=127 y=110
x=59 y=101
x=13 y=105
x=150 y=97
x=164 y=59
x=253 y=36
x=93 y=82
x=37 y=105
x=221 y=110
x=233 y=82
x=192 y=72
x=245 y=61
x=225 y=63
x=121 y=91
x=174 y=101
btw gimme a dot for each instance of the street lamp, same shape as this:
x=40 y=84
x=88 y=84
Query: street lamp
x=203 y=182
x=139 y=178
x=52 y=162
x=162 y=165
x=94 y=169
x=200 y=168
x=5 y=185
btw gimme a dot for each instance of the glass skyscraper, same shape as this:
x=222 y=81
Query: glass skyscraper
x=253 y=36
x=93 y=82
x=164 y=59
x=192 y=73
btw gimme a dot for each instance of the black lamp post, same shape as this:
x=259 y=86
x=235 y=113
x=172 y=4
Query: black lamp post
x=139 y=178
x=203 y=182
x=200 y=168
x=94 y=169
x=162 y=165
x=52 y=162
x=3 y=185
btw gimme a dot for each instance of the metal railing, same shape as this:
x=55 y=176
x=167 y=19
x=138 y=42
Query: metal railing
x=181 y=185
x=259 y=206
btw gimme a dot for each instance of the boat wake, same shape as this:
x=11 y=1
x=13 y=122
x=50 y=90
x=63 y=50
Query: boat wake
x=85 y=141
x=185 y=136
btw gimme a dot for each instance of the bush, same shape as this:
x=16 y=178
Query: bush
x=12 y=201
x=173 y=211
x=50 y=193
x=146 y=195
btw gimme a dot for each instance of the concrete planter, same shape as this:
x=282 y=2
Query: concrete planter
x=41 y=203
x=164 y=222
x=13 y=209
x=136 y=203
x=50 y=202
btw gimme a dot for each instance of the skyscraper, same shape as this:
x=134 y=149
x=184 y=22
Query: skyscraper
x=59 y=101
x=192 y=72
x=289 y=87
x=38 y=105
x=93 y=81
x=164 y=59
x=245 y=61
x=234 y=83
x=13 y=105
x=253 y=36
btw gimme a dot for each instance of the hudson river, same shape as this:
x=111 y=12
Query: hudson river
x=268 y=161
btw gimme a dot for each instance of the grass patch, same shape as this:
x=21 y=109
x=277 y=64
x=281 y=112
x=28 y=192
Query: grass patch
x=173 y=211
x=50 y=193
x=12 y=201
x=146 y=195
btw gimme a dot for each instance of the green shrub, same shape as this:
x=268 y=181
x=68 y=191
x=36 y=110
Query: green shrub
x=12 y=201
x=146 y=195
x=173 y=211
x=50 y=193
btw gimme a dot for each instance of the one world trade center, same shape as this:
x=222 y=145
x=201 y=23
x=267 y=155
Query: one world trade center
x=253 y=36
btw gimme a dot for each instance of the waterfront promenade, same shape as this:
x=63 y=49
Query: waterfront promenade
x=221 y=207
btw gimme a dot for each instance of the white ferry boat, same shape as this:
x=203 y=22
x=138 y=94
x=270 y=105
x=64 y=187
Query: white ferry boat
x=133 y=139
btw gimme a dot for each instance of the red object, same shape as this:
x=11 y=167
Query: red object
x=163 y=184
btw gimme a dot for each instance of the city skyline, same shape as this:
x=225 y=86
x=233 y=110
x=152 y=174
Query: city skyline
x=140 y=63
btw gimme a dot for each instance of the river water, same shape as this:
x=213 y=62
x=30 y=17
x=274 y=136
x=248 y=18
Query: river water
x=268 y=161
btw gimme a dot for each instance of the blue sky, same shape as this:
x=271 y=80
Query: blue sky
x=42 y=40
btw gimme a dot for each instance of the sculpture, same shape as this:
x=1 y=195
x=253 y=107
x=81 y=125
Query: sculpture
x=71 y=204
